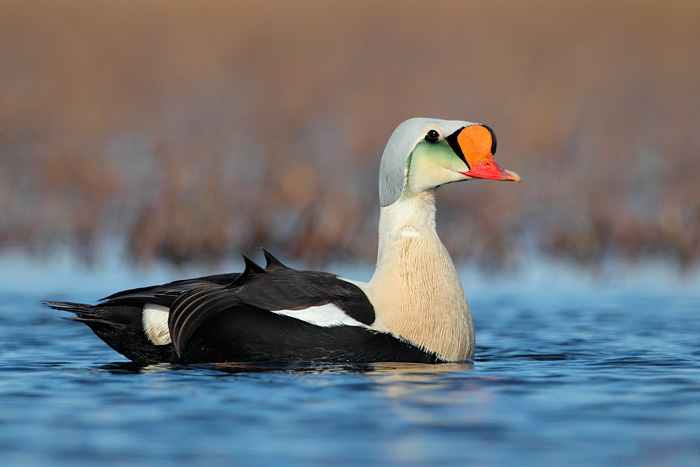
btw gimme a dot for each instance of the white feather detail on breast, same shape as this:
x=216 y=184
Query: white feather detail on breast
x=324 y=315
x=155 y=323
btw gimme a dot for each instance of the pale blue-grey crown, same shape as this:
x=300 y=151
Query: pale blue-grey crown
x=393 y=168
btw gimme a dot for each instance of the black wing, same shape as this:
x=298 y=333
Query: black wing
x=261 y=291
x=166 y=294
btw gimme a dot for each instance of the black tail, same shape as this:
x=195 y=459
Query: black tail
x=121 y=327
x=87 y=314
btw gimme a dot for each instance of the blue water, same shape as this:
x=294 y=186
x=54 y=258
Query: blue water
x=570 y=368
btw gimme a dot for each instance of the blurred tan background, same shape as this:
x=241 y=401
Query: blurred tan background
x=195 y=130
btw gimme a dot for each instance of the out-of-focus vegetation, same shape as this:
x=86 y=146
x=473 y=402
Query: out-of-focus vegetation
x=199 y=129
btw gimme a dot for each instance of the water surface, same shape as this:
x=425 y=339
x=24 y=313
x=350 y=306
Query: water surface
x=569 y=369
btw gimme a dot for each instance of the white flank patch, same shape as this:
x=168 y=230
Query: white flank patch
x=325 y=315
x=155 y=323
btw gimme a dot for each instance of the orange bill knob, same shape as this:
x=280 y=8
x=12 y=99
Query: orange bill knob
x=478 y=144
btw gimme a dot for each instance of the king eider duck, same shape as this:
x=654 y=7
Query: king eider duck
x=412 y=310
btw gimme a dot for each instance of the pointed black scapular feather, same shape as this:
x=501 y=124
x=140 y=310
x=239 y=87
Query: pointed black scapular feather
x=252 y=266
x=272 y=262
x=251 y=269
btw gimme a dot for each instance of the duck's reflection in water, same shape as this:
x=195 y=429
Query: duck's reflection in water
x=390 y=371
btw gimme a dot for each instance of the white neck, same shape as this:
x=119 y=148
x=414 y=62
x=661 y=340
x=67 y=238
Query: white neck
x=415 y=289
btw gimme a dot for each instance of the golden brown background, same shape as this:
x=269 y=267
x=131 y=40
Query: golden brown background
x=194 y=130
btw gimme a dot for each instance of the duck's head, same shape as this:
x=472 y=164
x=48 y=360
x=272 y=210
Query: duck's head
x=425 y=153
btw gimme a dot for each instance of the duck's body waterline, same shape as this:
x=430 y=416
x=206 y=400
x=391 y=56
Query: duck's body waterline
x=412 y=309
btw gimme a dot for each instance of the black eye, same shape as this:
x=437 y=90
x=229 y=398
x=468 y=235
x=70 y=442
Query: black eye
x=432 y=136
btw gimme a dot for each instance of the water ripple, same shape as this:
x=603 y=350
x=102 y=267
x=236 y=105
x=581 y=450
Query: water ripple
x=577 y=381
